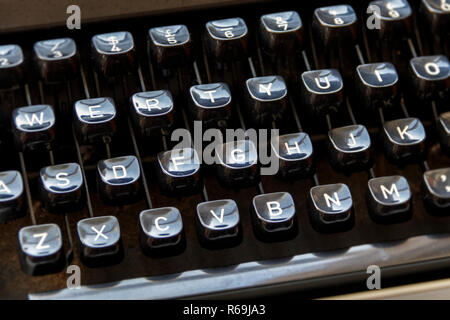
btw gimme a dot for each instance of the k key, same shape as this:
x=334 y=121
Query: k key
x=11 y=65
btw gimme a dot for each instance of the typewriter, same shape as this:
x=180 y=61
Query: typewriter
x=100 y=198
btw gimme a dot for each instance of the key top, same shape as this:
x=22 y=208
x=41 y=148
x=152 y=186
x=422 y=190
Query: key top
x=56 y=60
x=295 y=155
x=237 y=164
x=114 y=53
x=162 y=232
x=436 y=191
x=11 y=66
x=152 y=111
x=435 y=16
x=266 y=99
x=218 y=224
x=394 y=17
x=226 y=39
x=404 y=140
x=100 y=241
x=170 y=46
x=430 y=77
x=119 y=180
x=33 y=127
x=61 y=187
x=179 y=172
x=444 y=131
x=331 y=208
x=274 y=216
x=41 y=249
x=350 y=148
x=95 y=119
x=11 y=195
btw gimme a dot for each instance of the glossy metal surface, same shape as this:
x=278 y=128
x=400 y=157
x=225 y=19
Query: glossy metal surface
x=227 y=39
x=170 y=45
x=11 y=195
x=11 y=65
x=437 y=189
x=430 y=76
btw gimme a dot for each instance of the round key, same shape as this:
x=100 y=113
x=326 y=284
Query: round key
x=11 y=195
x=430 y=77
x=436 y=191
x=11 y=66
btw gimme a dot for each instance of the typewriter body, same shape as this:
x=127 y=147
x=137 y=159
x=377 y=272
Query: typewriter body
x=95 y=194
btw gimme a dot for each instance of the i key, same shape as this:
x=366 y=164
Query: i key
x=100 y=241
x=11 y=195
x=436 y=190
x=56 y=60
x=41 y=249
x=444 y=131
x=11 y=66
x=218 y=224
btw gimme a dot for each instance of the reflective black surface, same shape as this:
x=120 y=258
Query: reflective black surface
x=436 y=190
x=444 y=131
x=11 y=195
x=226 y=39
x=170 y=46
x=11 y=65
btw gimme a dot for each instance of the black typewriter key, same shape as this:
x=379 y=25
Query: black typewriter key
x=152 y=111
x=119 y=180
x=11 y=65
x=179 y=171
x=295 y=155
x=41 y=249
x=61 y=187
x=274 y=216
x=11 y=195
x=389 y=199
x=404 y=140
x=161 y=231
x=444 y=131
x=266 y=99
x=94 y=119
x=100 y=241
x=170 y=46
x=33 y=127
x=323 y=90
x=211 y=104
x=430 y=77
x=435 y=16
x=237 y=164
x=218 y=223
x=350 y=148
x=377 y=85
x=226 y=40
x=56 y=59
x=436 y=190
x=114 y=53
x=394 y=18
x=331 y=208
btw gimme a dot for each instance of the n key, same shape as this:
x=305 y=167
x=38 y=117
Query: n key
x=11 y=66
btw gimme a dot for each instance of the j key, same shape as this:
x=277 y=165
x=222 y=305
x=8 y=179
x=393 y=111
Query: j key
x=430 y=76
x=436 y=17
x=218 y=223
x=11 y=65
x=323 y=90
x=389 y=199
x=95 y=119
x=377 y=85
x=41 y=249
x=34 y=127
x=227 y=39
x=56 y=60
x=170 y=46
x=331 y=208
x=295 y=155
x=179 y=171
x=404 y=140
x=237 y=164
x=61 y=187
x=161 y=231
x=100 y=241
x=436 y=190
x=114 y=53
x=211 y=104
x=444 y=131
x=350 y=148
x=119 y=180
x=266 y=99
x=11 y=195
x=274 y=216
x=152 y=111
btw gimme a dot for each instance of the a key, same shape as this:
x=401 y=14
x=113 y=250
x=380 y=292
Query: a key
x=113 y=53
x=119 y=180
x=331 y=208
x=389 y=199
x=404 y=140
x=179 y=171
x=11 y=65
x=100 y=241
x=162 y=232
x=61 y=187
x=11 y=195
x=218 y=224
x=274 y=216
x=436 y=191
x=95 y=119
x=444 y=131
x=435 y=17
x=56 y=60
x=41 y=249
